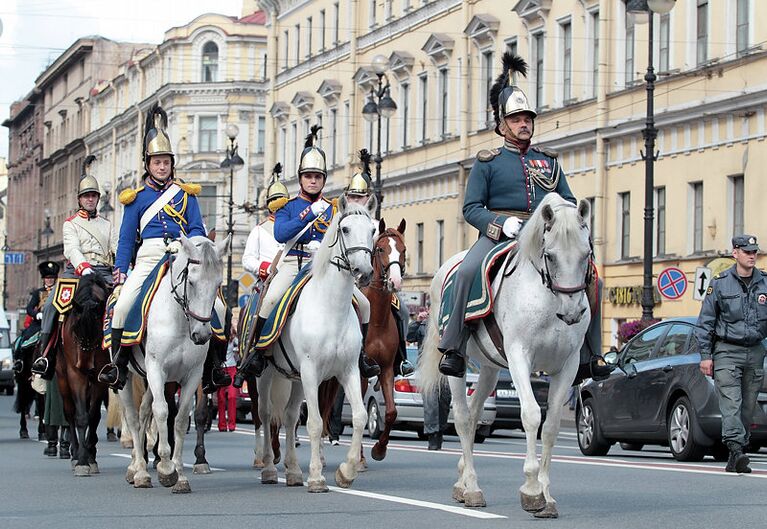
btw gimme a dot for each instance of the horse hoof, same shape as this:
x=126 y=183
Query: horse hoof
x=378 y=452
x=144 y=482
x=318 y=486
x=532 y=503
x=294 y=479
x=550 y=511
x=277 y=459
x=342 y=481
x=129 y=475
x=201 y=468
x=82 y=471
x=458 y=494
x=258 y=463
x=181 y=487
x=269 y=477
x=168 y=480
x=474 y=499
x=362 y=465
x=23 y=434
x=94 y=468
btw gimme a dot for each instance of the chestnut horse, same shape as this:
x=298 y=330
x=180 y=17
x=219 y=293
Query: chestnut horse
x=81 y=358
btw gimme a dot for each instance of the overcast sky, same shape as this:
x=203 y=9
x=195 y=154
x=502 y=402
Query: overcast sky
x=35 y=32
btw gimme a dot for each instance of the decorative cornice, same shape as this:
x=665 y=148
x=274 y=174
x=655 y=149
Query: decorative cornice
x=407 y=22
x=365 y=78
x=482 y=29
x=532 y=10
x=303 y=101
x=330 y=90
x=323 y=59
x=438 y=47
x=280 y=110
x=401 y=64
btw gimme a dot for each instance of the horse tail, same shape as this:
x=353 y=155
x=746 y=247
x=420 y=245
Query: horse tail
x=429 y=376
x=114 y=411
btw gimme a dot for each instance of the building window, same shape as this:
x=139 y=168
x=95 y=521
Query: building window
x=369 y=136
x=322 y=30
x=208 y=134
x=210 y=62
x=298 y=44
x=701 y=53
x=595 y=54
x=665 y=42
x=440 y=242
x=567 y=61
x=423 y=106
x=487 y=77
x=371 y=13
x=207 y=200
x=261 y=140
x=385 y=140
x=624 y=200
x=738 y=205
x=334 y=136
x=629 y=73
x=406 y=6
x=697 y=216
x=443 y=88
x=283 y=148
x=419 y=248
x=592 y=205
x=264 y=72
x=336 y=23
x=660 y=221
x=297 y=145
x=404 y=97
x=286 y=49
x=309 y=37
x=538 y=51
x=741 y=27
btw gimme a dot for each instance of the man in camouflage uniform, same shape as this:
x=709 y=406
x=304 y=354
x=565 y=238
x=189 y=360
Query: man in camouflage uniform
x=731 y=326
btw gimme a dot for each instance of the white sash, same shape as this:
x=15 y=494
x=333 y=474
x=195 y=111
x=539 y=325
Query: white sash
x=157 y=205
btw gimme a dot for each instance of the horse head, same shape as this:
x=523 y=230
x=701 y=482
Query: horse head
x=557 y=241
x=88 y=305
x=195 y=279
x=352 y=239
x=389 y=256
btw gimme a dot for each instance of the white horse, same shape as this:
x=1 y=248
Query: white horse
x=543 y=313
x=322 y=339
x=178 y=329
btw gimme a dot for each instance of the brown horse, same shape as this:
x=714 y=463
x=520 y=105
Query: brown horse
x=80 y=358
x=383 y=337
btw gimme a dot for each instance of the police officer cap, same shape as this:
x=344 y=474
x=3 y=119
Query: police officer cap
x=745 y=242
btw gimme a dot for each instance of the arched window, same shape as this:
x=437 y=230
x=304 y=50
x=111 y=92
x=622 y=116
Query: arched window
x=209 y=62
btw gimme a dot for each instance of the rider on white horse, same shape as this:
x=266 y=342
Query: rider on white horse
x=159 y=211
x=504 y=188
x=90 y=242
x=301 y=225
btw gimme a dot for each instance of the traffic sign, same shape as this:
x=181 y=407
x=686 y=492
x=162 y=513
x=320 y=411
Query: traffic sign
x=12 y=258
x=702 y=280
x=672 y=283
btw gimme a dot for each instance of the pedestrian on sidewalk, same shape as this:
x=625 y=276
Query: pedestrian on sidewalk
x=227 y=395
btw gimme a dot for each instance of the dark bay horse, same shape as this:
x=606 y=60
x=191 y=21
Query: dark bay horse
x=80 y=358
x=26 y=396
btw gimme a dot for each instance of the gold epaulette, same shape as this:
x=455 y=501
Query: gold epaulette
x=486 y=155
x=129 y=195
x=190 y=189
x=551 y=153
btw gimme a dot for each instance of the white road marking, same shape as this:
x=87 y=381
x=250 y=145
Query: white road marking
x=186 y=465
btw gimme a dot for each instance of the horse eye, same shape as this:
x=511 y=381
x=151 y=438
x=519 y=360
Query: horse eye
x=345 y=230
x=373 y=232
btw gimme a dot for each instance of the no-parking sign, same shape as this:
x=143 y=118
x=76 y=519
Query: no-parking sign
x=672 y=283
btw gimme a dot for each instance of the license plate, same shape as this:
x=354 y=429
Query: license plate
x=506 y=393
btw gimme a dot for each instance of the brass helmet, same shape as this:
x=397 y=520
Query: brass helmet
x=276 y=194
x=48 y=269
x=88 y=183
x=156 y=139
x=361 y=180
x=506 y=98
x=312 y=157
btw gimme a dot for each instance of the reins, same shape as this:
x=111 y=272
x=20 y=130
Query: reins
x=183 y=299
x=341 y=262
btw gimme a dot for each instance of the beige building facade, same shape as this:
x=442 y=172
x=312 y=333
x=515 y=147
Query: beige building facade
x=587 y=61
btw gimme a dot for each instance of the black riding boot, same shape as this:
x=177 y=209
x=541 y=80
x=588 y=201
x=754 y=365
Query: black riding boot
x=64 y=444
x=116 y=373
x=738 y=461
x=213 y=375
x=453 y=363
x=402 y=365
x=592 y=365
x=368 y=367
x=253 y=364
x=45 y=366
x=52 y=432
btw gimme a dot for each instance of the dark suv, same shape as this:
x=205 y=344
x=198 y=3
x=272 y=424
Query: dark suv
x=659 y=396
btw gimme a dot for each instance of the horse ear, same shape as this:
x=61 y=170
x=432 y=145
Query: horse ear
x=547 y=212
x=584 y=211
x=222 y=247
x=342 y=203
x=381 y=225
x=401 y=227
x=187 y=245
x=372 y=205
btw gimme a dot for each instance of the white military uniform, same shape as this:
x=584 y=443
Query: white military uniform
x=89 y=242
x=261 y=249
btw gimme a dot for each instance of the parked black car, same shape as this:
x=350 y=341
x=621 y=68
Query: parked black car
x=658 y=396
x=507 y=414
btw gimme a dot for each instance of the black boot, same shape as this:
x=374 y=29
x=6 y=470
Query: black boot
x=253 y=364
x=116 y=373
x=453 y=364
x=52 y=432
x=435 y=441
x=368 y=367
x=111 y=436
x=64 y=444
x=738 y=461
x=213 y=375
x=45 y=366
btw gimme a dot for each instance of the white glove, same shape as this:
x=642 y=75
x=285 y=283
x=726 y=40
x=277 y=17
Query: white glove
x=511 y=227
x=39 y=316
x=319 y=207
x=86 y=271
x=312 y=246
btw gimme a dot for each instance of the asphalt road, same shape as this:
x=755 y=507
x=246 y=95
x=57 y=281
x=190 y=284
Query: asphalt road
x=411 y=488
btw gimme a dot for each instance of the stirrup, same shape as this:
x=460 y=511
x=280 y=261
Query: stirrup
x=406 y=368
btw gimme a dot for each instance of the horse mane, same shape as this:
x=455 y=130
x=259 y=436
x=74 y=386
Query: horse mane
x=566 y=226
x=208 y=257
x=321 y=261
x=88 y=309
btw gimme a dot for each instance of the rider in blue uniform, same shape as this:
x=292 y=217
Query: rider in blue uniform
x=155 y=216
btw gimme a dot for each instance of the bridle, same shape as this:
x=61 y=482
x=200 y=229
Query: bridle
x=378 y=253
x=341 y=262
x=183 y=300
x=549 y=282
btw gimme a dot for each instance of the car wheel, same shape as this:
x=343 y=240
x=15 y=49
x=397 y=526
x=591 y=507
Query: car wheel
x=719 y=452
x=590 y=439
x=374 y=420
x=634 y=447
x=681 y=432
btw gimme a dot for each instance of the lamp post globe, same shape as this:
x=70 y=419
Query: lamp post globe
x=379 y=64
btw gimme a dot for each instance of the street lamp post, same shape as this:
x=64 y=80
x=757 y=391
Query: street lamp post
x=233 y=162
x=380 y=104
x=647 y=8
